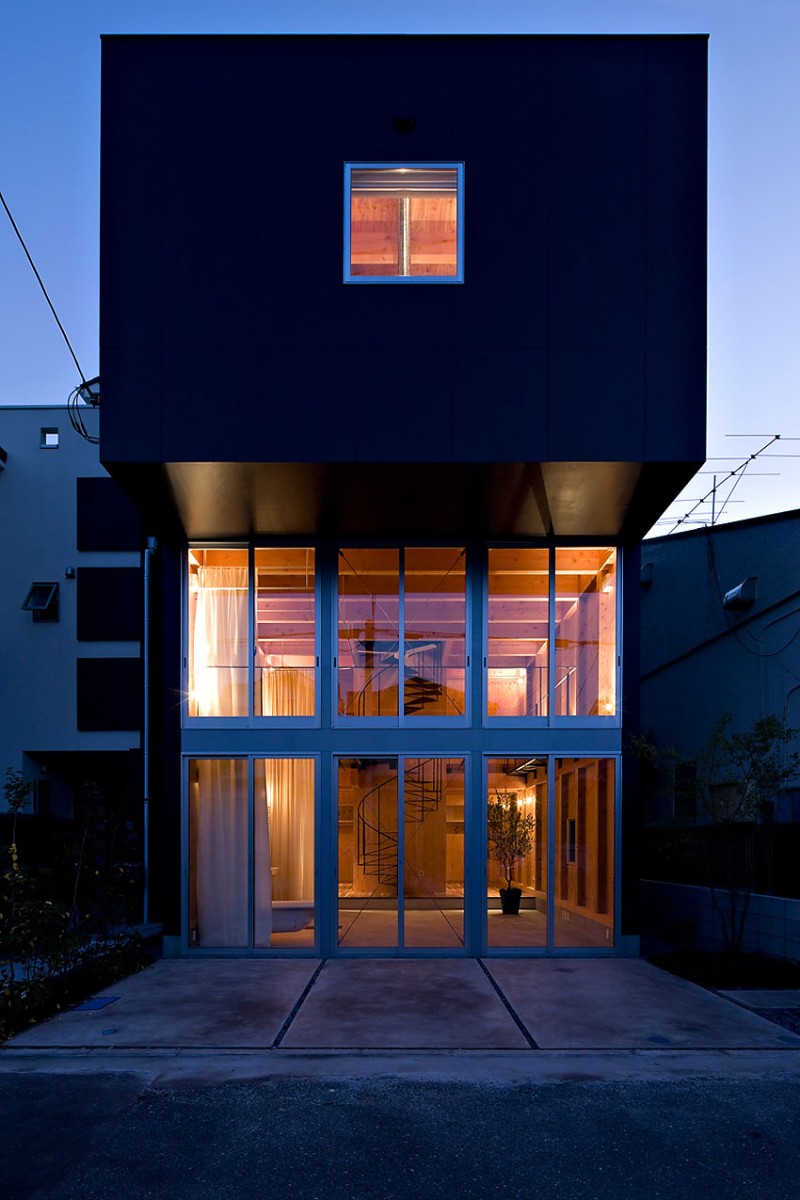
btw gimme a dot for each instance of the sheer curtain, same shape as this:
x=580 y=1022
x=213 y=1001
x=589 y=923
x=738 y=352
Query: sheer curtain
x=218 y=685
x=219 y=866
x=285 y=803
x=287 y=692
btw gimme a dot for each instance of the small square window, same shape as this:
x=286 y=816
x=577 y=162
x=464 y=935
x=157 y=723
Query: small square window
x=42 y=601
x=49 y=439
x=404 y=223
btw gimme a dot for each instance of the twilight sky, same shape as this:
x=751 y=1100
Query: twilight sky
x=49 y=175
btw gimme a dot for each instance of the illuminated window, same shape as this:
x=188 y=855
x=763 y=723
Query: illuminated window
x=49 y=439
x=586 y=632
x=404 y=223
x=280 y=596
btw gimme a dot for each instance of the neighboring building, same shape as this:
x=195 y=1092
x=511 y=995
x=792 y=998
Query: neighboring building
x=721 y=634
x=70 y=596
x=402 y=352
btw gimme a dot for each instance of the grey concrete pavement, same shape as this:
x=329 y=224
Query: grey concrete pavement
x=442 y=1004
x=504 y=1018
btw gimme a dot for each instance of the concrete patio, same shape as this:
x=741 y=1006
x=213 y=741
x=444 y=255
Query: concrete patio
x=501 y=1006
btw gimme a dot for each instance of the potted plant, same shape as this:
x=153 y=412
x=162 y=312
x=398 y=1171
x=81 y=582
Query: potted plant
x=512 y=833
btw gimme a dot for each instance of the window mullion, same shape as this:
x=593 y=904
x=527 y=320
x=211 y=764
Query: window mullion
x=551 y=636
x=401 y=637
x=251 y=629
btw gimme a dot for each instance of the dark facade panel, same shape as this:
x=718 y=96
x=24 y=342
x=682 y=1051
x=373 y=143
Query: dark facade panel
x=584 y=232
x=134 y=197
x=109 y=693
x=596 y=188
x=675 y=409
x=107 y=518
x=212 y=197
x=676 y=194
x=109 y=604
x=595 y=393
x=326 y=427
x=502 y=393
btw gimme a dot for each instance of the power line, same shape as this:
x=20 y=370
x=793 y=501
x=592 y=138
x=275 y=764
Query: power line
x=44 y=289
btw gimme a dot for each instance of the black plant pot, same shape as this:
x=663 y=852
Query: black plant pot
x=509 y=900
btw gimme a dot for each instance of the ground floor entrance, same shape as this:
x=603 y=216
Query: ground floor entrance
x=402 y=854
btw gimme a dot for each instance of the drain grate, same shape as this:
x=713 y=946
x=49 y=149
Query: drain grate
x=95 y=1004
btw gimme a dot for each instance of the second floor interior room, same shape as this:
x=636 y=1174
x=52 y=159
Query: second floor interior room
x=405 y=630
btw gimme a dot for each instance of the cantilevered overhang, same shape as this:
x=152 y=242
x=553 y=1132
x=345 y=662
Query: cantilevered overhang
x=218 y=500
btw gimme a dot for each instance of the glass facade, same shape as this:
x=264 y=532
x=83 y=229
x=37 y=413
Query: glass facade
x=251 y=853
x=218 y=632
x=285 y=633
x=372 y=829
x=415 y=599
x=401 y=852
x=586 y=632
x=518 y=680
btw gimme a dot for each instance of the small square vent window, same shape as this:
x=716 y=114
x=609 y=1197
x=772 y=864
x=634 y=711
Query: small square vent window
x=404 y=223
x=49 y=439
x=42 y=601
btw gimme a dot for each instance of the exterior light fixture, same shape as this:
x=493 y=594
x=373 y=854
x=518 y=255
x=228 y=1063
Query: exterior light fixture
x=42 y=601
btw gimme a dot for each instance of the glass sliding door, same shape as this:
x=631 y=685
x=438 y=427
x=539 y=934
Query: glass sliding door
x=251 y=869
x=517 y=806
x=283 y=861
x=402 y=633
x=584 y=852
x=433 y=852
x=401 y=852
x=218 y=853
x=435 y=631
x=586 y=635
x=368 y=851
x=518 y=633
x=369 y=632
x=285 y=633
x=218 y=633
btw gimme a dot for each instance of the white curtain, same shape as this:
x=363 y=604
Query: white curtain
x=285 y=794
x=219 y=642
x=286 y=692
x=219 y=851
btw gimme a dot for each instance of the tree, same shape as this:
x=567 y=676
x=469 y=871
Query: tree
x=511 y=831
x=738 y=778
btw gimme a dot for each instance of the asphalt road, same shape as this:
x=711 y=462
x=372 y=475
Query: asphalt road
x=108 y=1137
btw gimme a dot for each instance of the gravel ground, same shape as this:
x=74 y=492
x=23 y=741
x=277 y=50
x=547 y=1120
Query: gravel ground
x=92 y=1138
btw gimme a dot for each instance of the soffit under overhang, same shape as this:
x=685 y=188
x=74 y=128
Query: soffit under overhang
x=425 y=500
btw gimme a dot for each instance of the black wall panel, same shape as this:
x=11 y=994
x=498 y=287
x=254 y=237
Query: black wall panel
x=109 y=693
x=107 y=518
x=110 y=604
x=222 y=289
